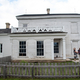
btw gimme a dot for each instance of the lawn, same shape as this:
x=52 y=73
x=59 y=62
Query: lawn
x=41 y=79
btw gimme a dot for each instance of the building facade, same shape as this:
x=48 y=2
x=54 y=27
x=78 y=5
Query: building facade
x=41 y=36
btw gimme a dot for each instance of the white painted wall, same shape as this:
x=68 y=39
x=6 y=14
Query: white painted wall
x=31 y=48
x=6 y=46
x=47 y=49
x=15 y=49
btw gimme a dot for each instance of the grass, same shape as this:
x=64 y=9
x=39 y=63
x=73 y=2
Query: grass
x=40 y=79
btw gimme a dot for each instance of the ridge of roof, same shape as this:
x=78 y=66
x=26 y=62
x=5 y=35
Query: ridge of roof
x=47 y=14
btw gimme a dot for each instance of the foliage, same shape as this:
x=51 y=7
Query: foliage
x=40 y=79
x=23 y=61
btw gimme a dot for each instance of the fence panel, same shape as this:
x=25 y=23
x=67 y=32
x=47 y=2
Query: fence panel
x=1 y=70
x=60 y=70
x=40 y=70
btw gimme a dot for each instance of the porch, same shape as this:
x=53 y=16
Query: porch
x=58 y=49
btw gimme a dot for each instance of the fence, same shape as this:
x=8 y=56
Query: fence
x=5 y=59
x=40 y=70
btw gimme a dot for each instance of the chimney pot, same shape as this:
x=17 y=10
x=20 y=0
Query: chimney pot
x=7 y=25
x=48 y=10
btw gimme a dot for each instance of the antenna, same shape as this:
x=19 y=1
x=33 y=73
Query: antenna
x=74 y=10
x=26 y=11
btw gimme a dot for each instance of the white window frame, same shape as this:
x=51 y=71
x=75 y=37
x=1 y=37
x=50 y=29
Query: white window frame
x=38 y=48
x=22 y=48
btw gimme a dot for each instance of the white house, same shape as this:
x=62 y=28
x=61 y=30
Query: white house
x=41 y=36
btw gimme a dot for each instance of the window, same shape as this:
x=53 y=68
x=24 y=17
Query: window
x=24 y=25
x=40 y=48
x=0 y=48
x=22 y=48
x=56 y=47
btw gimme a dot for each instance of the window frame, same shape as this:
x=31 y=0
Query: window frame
x=22 y=49
x=42 y=48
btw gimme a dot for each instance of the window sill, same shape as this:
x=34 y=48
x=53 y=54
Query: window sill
x=40 y=56
x=22 y=57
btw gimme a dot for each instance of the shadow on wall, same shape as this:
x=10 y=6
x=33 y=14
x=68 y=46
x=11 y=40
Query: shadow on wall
x=5 y=59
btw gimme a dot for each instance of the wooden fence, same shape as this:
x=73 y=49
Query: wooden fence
x=40 y=70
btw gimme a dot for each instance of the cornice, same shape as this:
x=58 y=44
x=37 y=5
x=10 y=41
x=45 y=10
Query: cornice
x=38 y=35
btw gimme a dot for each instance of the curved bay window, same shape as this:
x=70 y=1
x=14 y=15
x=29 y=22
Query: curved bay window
x=22 y=48
x=56 y=47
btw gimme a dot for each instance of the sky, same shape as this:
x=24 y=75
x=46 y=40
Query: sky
x=9 y=9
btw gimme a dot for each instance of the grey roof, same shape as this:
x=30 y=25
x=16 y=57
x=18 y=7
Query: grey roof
x=46 y=14
x=5 y=30
x=38 y=32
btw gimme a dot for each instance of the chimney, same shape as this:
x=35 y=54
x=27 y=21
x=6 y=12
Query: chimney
x=7 y=25
x=48 y=10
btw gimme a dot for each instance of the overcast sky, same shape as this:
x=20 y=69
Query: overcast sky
x=9 y=9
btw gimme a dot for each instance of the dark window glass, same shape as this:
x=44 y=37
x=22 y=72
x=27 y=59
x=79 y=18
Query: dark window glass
x=0 y=48
x=22 y=48
x=40 y=48
x=56 y=47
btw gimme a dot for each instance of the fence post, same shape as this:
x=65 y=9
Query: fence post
x=4 y=71
x=32 y=71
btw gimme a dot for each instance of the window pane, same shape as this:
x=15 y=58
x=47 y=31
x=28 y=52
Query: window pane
x=42 y=46
x=55 y=48
x=56 y=44
x=24 y=46
x=24 y=54
x=55 y=51
x=21 y=54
